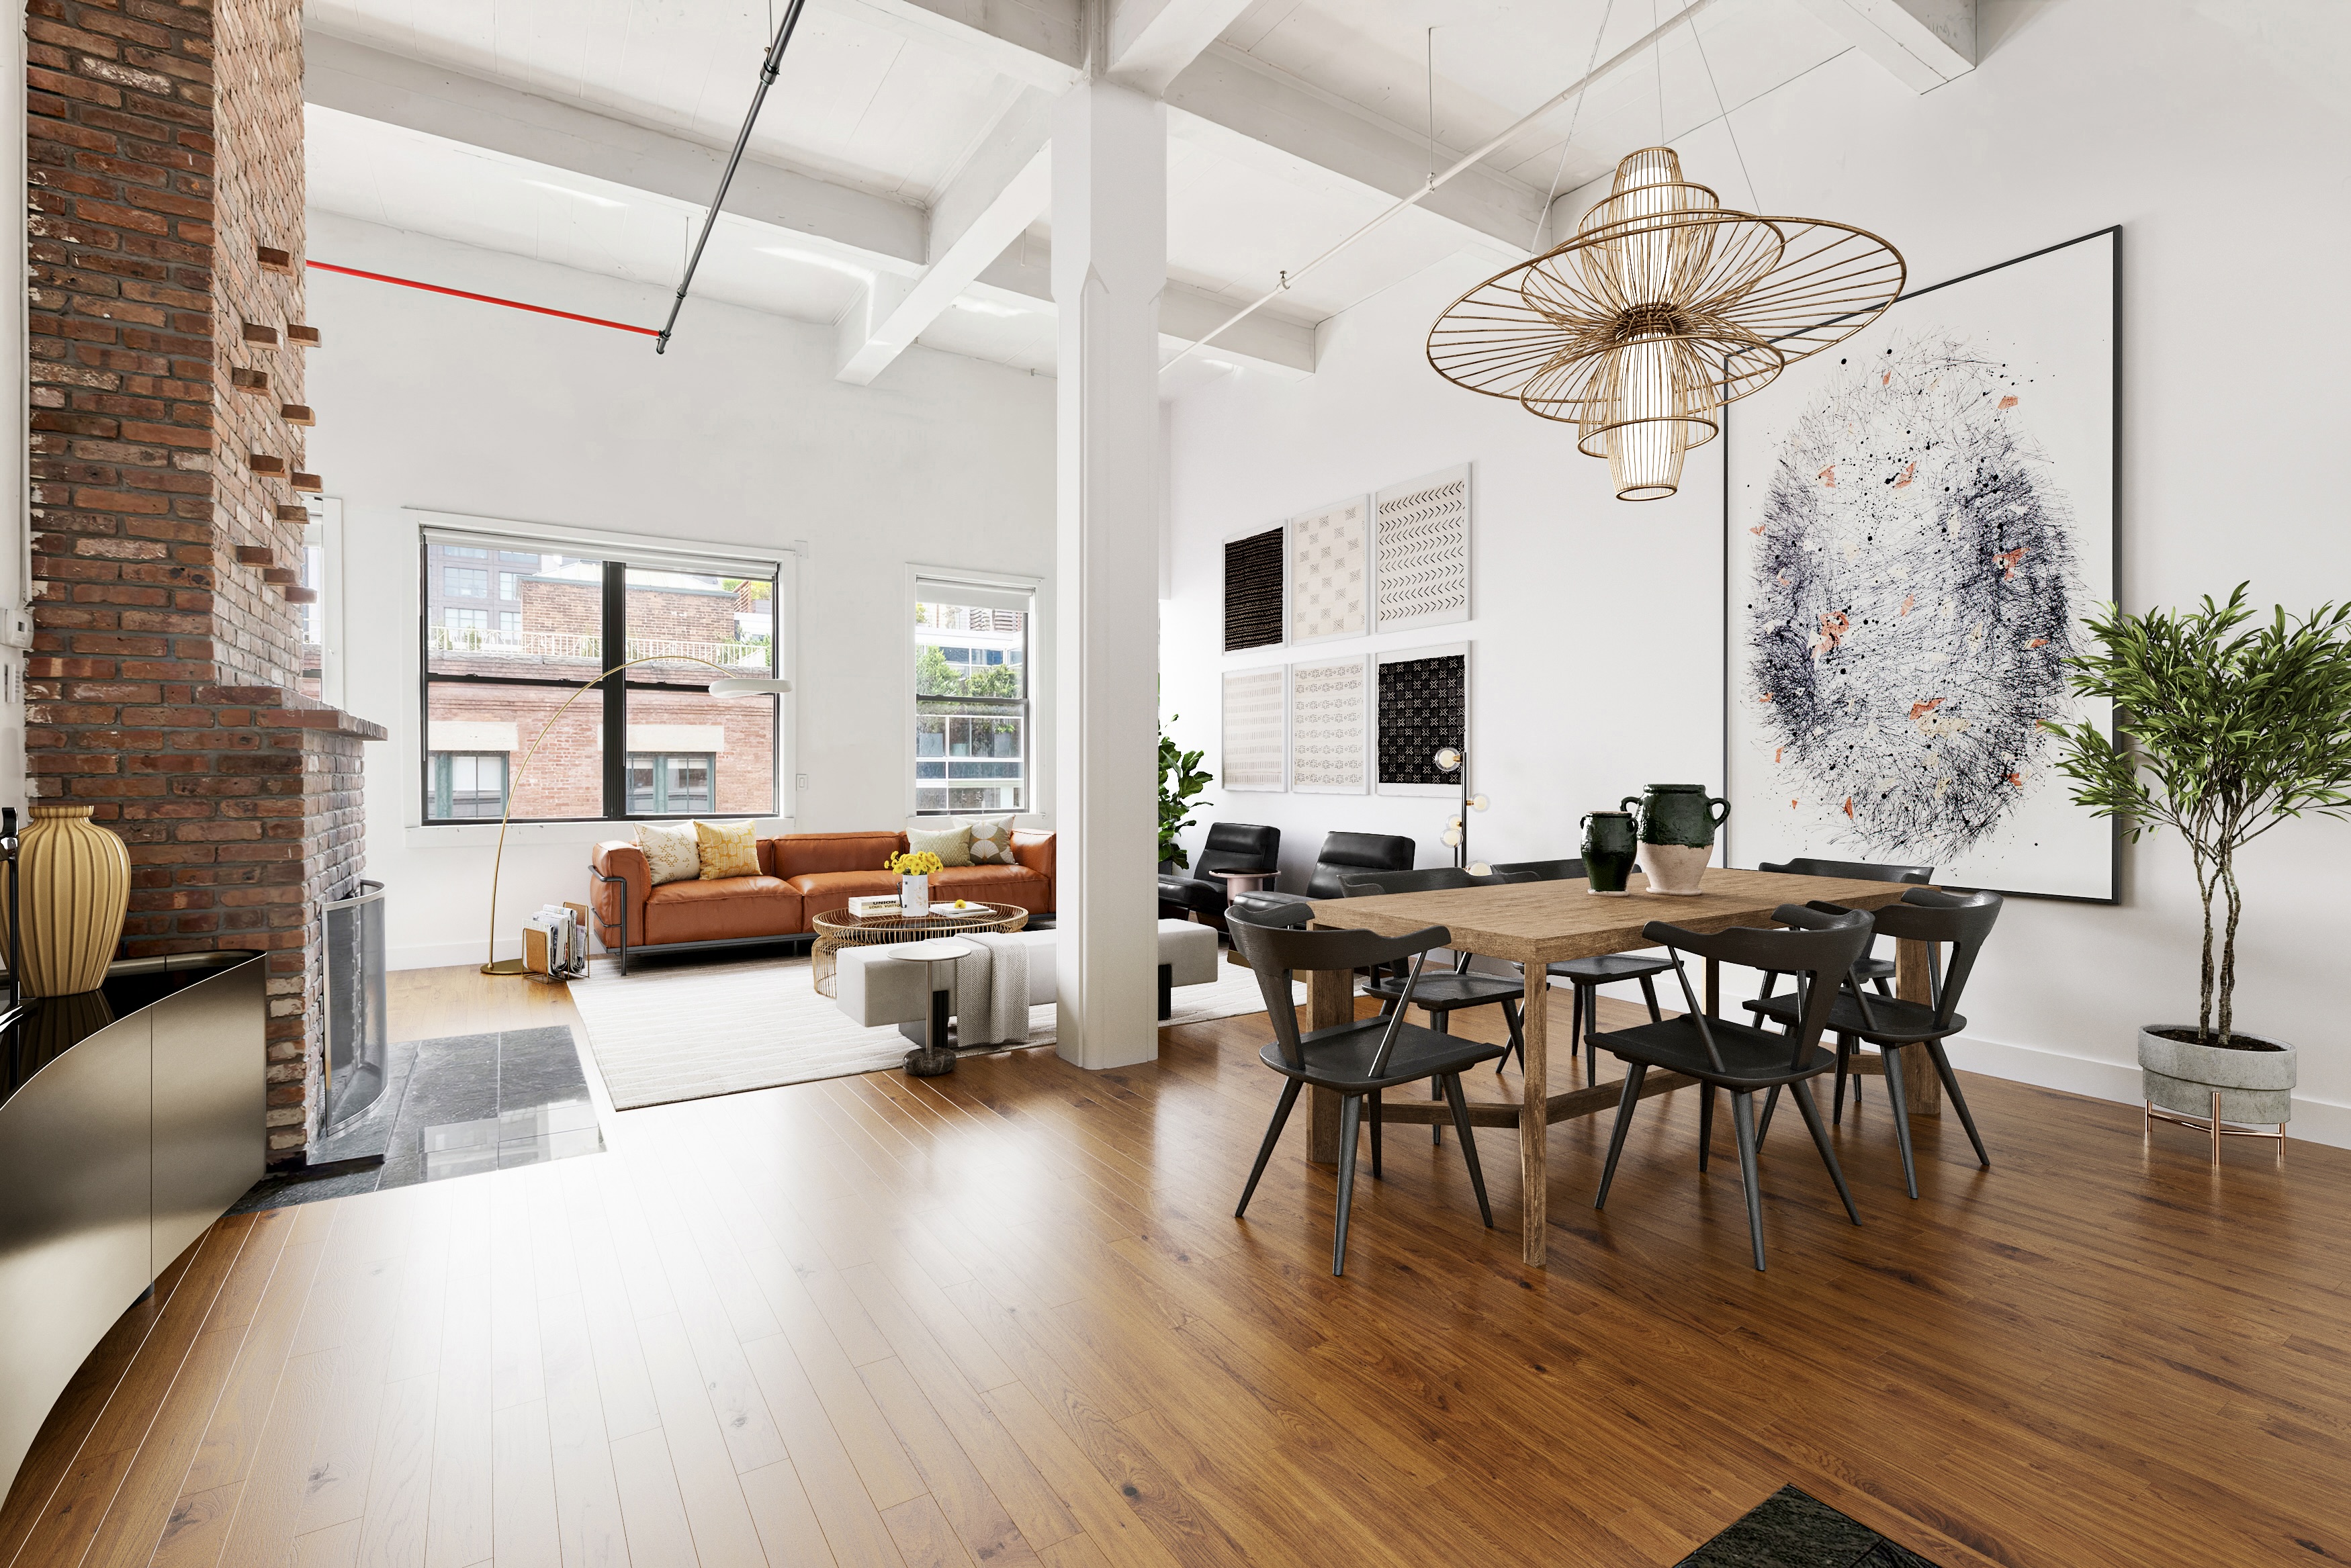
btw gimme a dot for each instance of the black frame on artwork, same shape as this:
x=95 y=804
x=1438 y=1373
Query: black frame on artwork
x=2114 y=593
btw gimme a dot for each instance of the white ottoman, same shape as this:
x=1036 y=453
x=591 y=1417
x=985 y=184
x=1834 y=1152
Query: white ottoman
x=878 y=993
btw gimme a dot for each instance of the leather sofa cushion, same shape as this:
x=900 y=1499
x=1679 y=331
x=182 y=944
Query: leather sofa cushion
x=813 y=854
x=1016 y=885
x=822 y=892
x=725 y=906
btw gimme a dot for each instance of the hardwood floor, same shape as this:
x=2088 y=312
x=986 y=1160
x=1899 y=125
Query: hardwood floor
x=1005 y=1317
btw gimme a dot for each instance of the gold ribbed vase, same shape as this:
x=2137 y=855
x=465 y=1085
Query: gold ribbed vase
x=73 y=889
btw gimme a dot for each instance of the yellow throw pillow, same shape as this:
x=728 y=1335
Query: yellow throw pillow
x=727 y=848
x=671 y=852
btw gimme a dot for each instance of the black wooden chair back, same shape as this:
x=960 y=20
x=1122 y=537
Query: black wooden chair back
x=1852 y=870
x=1828 y=946
x=1275 y=951
x=1931 y=914
x=1545 y=871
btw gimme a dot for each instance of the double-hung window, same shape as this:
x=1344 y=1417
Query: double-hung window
x=974 y=746
x=504 y=676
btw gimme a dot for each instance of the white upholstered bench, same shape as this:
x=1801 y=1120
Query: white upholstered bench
x=875 y=991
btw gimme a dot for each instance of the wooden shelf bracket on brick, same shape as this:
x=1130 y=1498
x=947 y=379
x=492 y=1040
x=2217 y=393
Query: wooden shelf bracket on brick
x=256 y=556
x=293 y=512
x=297 y=414
x=310 y=483
x=300 y=595
x=246 y=381
x=272 y=259
x=255 y=332
x=262 y=462
x=301 y=337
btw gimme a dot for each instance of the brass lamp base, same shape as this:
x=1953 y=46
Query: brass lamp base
x=503 y=966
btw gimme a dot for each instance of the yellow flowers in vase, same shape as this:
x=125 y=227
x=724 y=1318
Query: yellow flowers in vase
x=914 y=868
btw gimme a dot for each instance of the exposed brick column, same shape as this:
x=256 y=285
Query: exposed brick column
x=165 y=644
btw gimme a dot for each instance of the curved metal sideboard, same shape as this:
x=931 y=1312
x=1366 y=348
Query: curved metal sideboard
x=131 y=1118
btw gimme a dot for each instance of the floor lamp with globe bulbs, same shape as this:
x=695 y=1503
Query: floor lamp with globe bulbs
x=1454 y=759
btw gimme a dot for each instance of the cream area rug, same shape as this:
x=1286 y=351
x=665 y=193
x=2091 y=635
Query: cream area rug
x=689 y=1031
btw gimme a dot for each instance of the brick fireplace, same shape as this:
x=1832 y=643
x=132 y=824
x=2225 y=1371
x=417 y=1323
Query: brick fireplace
x=164 y=167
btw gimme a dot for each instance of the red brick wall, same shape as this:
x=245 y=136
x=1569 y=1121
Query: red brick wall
x=155 y=683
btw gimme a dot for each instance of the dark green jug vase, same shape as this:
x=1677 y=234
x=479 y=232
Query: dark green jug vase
x=1677 y=824
x=1609 y=852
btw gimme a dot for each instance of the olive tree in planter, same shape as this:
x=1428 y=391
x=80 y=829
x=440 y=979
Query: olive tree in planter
x=2224 y=732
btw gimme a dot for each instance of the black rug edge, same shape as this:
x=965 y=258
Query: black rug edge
x=1793 y=1529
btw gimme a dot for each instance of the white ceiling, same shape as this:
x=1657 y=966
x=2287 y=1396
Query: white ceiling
x=892 y=112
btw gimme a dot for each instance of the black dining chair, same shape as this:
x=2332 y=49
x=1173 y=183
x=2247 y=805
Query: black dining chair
x=1587 y=975
x=1440 y=995
x=1356 y=1060
x=1877 y=970
x=1230 y=846
x=1739 y=1057
x=1924 y=915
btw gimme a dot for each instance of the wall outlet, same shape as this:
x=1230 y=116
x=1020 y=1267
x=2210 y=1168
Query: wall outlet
x=15 y=628
x=800 y=781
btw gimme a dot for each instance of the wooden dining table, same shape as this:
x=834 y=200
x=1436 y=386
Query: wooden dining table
x=1536 y=924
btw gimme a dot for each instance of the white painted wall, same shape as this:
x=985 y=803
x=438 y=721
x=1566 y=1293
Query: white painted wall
x=2211 y=132
x=739 y=434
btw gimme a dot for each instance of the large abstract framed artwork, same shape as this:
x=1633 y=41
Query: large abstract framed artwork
x=1330 y=727
x=1917 y=523
x=1421 y=551
x=1424 y=704
x=1256 y=738
x=1329 y=573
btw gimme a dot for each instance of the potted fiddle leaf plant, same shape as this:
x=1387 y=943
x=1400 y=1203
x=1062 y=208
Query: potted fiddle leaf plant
x=1180 y=779
x=2224 y=731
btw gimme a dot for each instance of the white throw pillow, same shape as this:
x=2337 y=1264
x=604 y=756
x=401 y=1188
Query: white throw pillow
x=671 y=854
x=991 y=840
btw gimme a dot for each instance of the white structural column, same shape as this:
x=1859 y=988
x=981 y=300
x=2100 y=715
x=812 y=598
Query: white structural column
x=1110 y=264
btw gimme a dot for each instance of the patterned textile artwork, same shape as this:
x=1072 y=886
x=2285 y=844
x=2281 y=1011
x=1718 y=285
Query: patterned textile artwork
x=1919 y=523
x=1424 y=705
x=1423 y=551
x=1254 y=750
x=1329 y=576
x=1253 y=590
x=1327 y=724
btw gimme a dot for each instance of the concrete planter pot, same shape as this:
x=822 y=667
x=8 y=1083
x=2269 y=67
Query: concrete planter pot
x=2255 y=1083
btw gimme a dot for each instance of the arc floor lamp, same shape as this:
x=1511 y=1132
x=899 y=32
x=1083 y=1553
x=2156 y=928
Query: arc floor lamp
x=728 y=685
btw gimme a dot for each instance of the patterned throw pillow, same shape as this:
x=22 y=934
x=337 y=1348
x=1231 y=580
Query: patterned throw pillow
x=671 y=853
x=726 y=849
x=951 y=844
x=991 y=841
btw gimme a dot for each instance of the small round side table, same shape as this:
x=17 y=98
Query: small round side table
x=1240 y=882
x=934 y=1051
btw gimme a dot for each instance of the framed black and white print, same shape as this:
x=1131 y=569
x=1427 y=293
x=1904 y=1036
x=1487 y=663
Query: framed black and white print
x=1420 y=552
x=1423 y=701
x=1330 y=729
x=1919 y=523
x=1253 y=599
x=1255 y=738
x=1329 y=573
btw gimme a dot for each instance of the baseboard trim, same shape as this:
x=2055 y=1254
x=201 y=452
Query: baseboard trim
x=2314 y=1121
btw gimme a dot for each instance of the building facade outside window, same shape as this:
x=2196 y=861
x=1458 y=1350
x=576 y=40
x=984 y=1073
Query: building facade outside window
x=497 y=670
x=973 y=717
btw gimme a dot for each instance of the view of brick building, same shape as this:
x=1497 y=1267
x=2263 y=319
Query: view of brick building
x=523 y=633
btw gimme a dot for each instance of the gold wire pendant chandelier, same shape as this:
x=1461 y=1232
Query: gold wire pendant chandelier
x=1664 y=306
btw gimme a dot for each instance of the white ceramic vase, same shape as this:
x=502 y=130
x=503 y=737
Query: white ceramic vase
x=915 y=896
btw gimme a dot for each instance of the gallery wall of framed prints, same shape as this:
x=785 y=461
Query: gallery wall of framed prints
x=1395 y=560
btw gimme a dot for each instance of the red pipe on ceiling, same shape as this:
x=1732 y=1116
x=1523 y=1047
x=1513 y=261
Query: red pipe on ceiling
x=485 y=299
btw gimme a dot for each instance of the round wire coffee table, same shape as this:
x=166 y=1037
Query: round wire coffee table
x=839 y=930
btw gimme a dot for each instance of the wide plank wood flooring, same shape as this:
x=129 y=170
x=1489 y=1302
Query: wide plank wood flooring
x=1005 y=1317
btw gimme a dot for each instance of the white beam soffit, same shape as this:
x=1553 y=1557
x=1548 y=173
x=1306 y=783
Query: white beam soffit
x=1923 y=43
x=375 y=84
x=1002 y=189
x=1152 y=41
x=1040 y=42
x=1263 y=341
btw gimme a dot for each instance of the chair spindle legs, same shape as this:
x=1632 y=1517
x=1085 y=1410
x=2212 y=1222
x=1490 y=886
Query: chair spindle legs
x=1272 y=1136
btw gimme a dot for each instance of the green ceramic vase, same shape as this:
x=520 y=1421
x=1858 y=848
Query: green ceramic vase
x=1609 y=851
x=1677 y=824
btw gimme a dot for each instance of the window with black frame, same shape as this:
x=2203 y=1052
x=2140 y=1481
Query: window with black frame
x=512 y=635
x=972 y=715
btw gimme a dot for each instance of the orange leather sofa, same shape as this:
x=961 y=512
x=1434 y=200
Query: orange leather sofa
x=802 y=875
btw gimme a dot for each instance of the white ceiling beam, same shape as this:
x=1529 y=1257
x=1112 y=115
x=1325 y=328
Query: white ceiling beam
x=396 y=90
x=1924 y=43
x=1040 y=42
x=1152 y=41
x=1003 y=188
x=1263 y=342
x=1243 y=109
